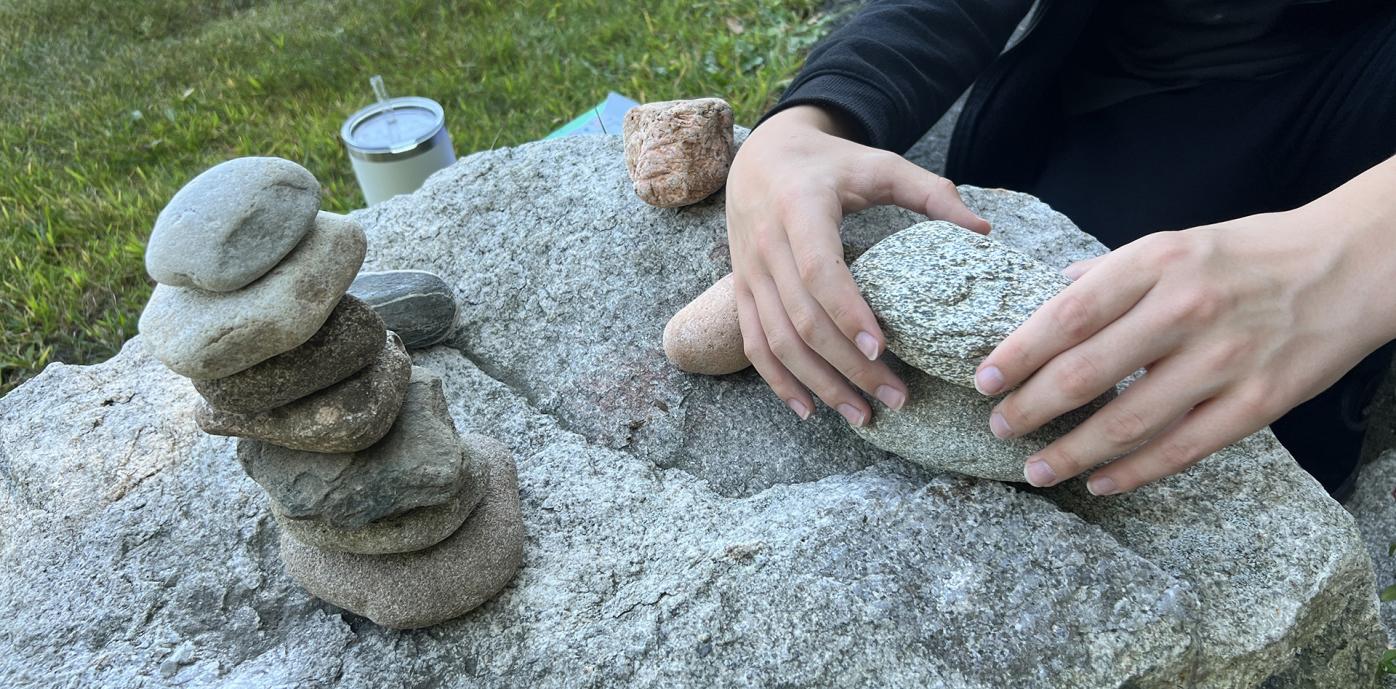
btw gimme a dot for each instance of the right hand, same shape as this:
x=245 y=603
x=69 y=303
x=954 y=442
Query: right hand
x=805 y=326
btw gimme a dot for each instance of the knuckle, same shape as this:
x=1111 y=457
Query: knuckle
x=755 y=349
x=815 y=267
x=1077 y=377
x=1014 y=414
x=1124 y=428
x=1073 y=316
x=783 y=347
x=1198 y=306
x=1176 y=456
x=1256 y=401
x=1063 y=457
x=807 y=326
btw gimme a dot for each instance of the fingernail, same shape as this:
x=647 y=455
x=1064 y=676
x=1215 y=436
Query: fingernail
x=1102 y=485
x=853 y=414
x=867 y=344
x=999 y=426
x=890 y=396
x=1039 y=473
x=798 y=407
x=988 y=380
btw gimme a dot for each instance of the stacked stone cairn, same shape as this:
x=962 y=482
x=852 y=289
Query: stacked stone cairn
x=384 y=509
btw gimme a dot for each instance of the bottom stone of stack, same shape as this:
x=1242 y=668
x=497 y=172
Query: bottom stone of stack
x=426 y=587
x=413 y=530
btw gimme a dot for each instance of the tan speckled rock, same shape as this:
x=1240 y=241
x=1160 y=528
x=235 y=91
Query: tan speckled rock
x=449 y=579
x=678 y=152
x=705 y=336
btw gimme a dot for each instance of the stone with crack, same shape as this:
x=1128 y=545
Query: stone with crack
x=232 y=223
x=346 y=417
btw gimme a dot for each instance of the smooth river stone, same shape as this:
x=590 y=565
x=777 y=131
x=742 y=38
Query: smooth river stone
x=945 y=427
x=232 y=224
x=412 y=530
x=417 y=305
x=678 y=152
x=202 y=334
x=706 y=336
x=419 y=463
x=946 y=296
x=410 y=590
x=345 y=417
x=351 y=339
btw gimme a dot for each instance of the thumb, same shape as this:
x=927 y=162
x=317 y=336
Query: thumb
x=901 y=182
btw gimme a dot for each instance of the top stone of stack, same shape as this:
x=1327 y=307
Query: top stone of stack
x=232 y=224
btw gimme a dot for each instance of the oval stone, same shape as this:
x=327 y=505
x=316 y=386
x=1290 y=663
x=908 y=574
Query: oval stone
x=417 y=305
x=232 y=224
x=706 y=336
x=202 y=334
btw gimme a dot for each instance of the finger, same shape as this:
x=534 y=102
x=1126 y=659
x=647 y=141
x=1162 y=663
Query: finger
x=818 y=331
x=889 y=178
x=1209 y=427
x=1074 y=271
x=807 y=366
x=1083 y=372
x=759 y=354
x=1081 y=310
x=1148 y=407
x=818 y=257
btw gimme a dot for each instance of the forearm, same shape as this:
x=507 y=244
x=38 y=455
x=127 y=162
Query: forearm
x=899 y=64
x=1361 y=214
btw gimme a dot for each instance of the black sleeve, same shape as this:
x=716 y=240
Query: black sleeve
x=898 y=65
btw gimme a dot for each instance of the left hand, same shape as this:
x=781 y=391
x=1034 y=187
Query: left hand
x=1235 y=324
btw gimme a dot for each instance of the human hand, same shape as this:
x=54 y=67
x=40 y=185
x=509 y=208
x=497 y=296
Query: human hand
x=1235 y=323
x=805 y=327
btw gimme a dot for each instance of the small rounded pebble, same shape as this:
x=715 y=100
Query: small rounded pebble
x=705 y=336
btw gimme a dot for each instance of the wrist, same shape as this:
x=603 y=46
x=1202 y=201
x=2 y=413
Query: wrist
x=826 y=120
x=1358 y=222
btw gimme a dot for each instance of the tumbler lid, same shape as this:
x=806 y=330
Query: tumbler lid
x=393 y=129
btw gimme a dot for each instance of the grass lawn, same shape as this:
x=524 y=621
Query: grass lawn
x=108 y=108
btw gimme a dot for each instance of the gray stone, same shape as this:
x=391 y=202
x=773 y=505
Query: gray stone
x=201 y=334
x=678 y=152
x=944 y=427
x=415 y=304
x=1373 y=505
x=740 y=561
x=350 y=339
x=345 y=417
x=412 y=530
x=945 y=296
x=426 y=587
x=1381 y=419
x=419 y=463
x=232 y=224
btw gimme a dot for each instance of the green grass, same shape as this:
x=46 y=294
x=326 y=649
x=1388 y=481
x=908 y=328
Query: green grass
x=108 y=108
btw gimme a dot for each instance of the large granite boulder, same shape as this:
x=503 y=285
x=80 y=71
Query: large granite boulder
x=681 y=530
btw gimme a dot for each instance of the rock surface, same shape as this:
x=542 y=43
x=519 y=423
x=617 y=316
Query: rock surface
x=761 y=550
x=426 y=587
x=413 y=530
x=942 y=427
x=945 y=296
x=350 y=339
x=232 y=224
x=415 y=304
x=678 y=151
x=345 y=417
x=705 y=336
x=202 y=334
x=419 y=463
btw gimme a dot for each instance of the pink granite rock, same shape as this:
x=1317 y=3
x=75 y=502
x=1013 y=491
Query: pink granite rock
x=678 y=151
x=705 y=336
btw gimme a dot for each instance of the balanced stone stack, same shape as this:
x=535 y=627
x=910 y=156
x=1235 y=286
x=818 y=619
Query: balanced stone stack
x=385 y=510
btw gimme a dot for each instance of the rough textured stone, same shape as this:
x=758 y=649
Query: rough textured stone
x=820 y=573
x=943 y=427
x=201 y=334
x=415 y=304
x=232 y=223
x=350 y=339
x=1373 y=505
x=678 y=152
x=426 y=587
x=705 y=336
x=419 y=463
x=345 y=417
x=413 y=530
x=945 y=296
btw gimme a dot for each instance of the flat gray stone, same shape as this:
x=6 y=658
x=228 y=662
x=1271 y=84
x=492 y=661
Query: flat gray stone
x=351 y=339
x=412 y=530
x=417 y=305
x=945 y=296
x=345 y=417
x=426 y=587
x=232 y=224
x=419 y=463
x=943 y=427
x=202 y=334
